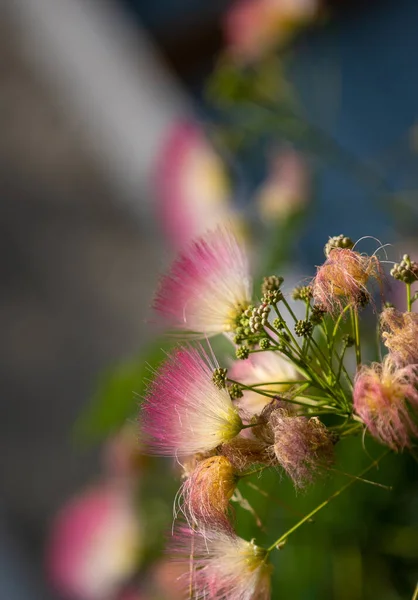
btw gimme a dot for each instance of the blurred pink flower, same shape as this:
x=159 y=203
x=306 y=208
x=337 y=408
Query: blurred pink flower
x=286 y=190
x=253 y=27
x=192 y=184
x=267 y=368
x=122 y=455
x=94 y=543
x=168 y=580
x=132 y=594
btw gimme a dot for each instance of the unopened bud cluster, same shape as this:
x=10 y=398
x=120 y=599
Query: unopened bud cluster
x=338 y=241
x=348 y=340
x=242 y=352
x=271 y=284
x=259 y=318
x=235 y=391
x=303 y=328
x=406 y=270
x=278 y=323
x=303 y=293
x=219 y=377
x=272 y=297
x=318 y=313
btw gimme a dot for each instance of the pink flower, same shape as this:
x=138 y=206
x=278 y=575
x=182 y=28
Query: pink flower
x=168 y=579
x=94 y=543
x=185 y=412
x=254 y=27
x=386 y=398
x=343 y=277
x=193 y=188
x=207 y=492
x=267 y=368
x=285 y=192
x=400 y=334
x=223 y=566
x=122 y=457
x=302 y=446
x=207 y=287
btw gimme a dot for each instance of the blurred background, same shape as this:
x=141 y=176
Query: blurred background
x=128 y=127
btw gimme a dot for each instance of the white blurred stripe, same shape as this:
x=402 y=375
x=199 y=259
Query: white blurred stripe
x=106 y=72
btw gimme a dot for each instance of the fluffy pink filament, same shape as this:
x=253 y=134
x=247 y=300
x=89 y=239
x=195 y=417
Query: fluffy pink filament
x=207 y=287
x=207 y=492
x=343 y=277
x=221 y=565
x=303 y=447
x=400 y=334
x=184 y=412
x=386 y=398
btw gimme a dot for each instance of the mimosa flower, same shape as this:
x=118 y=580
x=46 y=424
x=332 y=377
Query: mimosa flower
x=400 y=334
x=207 y=492
x=286 y=190
x=94 y=543
x=223 y=566
x=302 y=446
x=208 y=286
x=193 y=187
x=386 y=398
x=184 y=412
x=254 y=27
x=343 y=277
x=122 y=456
x=263 y=368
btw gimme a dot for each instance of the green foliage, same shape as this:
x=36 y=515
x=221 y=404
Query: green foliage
x=118 y=393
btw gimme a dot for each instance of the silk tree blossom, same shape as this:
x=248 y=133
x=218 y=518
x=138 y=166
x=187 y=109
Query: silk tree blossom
x=207 y=287
x=122 y=457
x=386 y=398
x=207 y=492
x=400 y=334
x=302 y=446
x=192 y=185
x=94 y=543
x=220 y=565
x=286 y=190
x=262 y=368
x=343 y=277
x=185 y=412
x=254 y=27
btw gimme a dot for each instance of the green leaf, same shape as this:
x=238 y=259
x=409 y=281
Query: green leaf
x=118 y=394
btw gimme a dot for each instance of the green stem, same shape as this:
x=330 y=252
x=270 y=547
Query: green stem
x=356 y=331
x=296 y=347
x=408 y=297
x=284 y=537
x=279 y=383
x=287 y=305
x=340 y=363
x=415 y=596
